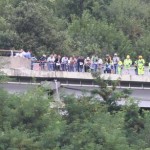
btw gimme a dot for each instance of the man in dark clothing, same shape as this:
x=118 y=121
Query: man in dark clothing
x=42 y=61
x=58 y=63
x=80 y=64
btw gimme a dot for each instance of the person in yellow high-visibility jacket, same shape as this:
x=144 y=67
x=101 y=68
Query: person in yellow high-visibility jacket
x=140 y=65
x=120 y=67
x=127 y=64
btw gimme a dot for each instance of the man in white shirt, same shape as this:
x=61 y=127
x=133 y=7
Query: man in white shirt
x=23 y=53
x=64 y=63
x=116 y=59
x=50 y=62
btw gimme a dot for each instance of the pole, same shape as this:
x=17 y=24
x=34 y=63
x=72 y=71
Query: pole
x=57 y=91
x=12 y=53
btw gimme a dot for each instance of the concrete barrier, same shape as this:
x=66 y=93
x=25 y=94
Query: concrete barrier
x=72 y=75
x=15 y=62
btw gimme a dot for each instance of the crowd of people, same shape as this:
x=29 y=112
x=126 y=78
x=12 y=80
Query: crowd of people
x=110 y=65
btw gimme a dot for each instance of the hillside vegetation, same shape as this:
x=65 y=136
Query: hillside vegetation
x=80 y=27
x=31 y=122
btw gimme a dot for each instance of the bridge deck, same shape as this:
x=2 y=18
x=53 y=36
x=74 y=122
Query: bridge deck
x=141 y=96
x=72 y=75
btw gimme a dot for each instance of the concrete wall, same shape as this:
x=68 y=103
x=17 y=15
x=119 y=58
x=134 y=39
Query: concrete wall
x=72 y=75
x=15 y=62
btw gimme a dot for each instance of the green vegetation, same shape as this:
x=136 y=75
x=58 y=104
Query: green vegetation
x=30 y=121
x=79 y=27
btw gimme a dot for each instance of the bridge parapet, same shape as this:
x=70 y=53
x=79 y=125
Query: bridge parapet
x=22 y=72
x=15 y=62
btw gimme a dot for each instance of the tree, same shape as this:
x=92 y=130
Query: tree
x=37 y=27
x=87 y=35
x=108 y=92
x=131 y=17
x=28 y=122
x=89 y=127
x=66 y=8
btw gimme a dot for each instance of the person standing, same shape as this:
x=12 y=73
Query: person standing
x=50 y=62
x=71 y=64
x=127 y=64
x=94 y=61
x=120 y=67
x=42 y=61
x=108 y=64
x=135 y=65
x=28 y=54
x=64 y=63
x=100 y=65
x=87 y=64
x=58 y=63
x=80 y=64
x=140 y=65
x=116 y=59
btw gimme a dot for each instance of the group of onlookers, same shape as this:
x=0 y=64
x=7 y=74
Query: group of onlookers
x=109 y=64
x=127 y=63
x=113 y=65
x=71 y=64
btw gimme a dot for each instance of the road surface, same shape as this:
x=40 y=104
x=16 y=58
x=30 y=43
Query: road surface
x=143 y=95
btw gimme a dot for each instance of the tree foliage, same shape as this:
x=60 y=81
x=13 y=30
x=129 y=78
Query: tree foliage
x=29 y=121
x=76 y=27
x=100 y=38
x=26 y=124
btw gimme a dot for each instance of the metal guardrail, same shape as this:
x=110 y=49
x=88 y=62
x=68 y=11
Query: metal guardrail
x=76 y=86
x=11 y=51
x=81 y=85
x=36 y=67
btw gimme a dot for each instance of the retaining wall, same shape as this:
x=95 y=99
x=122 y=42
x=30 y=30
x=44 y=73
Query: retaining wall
x=15 y=62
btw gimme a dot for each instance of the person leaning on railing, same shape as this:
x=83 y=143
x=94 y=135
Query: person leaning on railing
x=58 y=63
x=87 y=64
x=116 y=59
x=80 y=64
x=64 y=63
x=42 y=62
x=71 y=64
x=50 y=62
x=108 y=64
x=94 y=61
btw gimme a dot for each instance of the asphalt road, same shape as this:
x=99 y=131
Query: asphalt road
x=143 y=95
